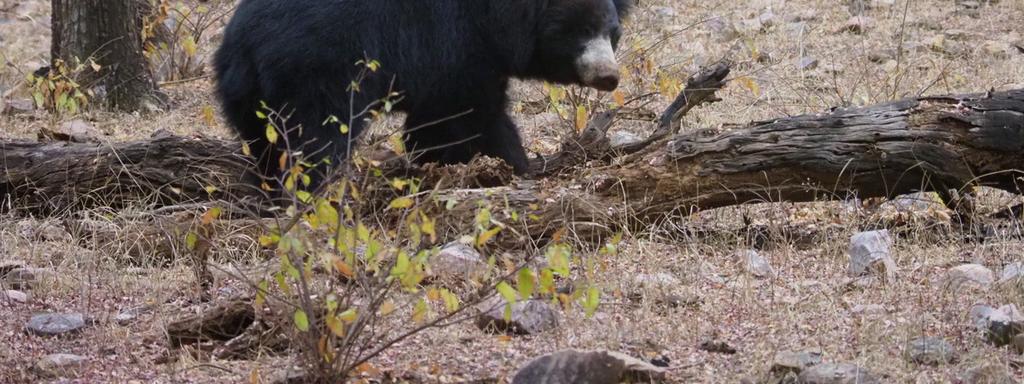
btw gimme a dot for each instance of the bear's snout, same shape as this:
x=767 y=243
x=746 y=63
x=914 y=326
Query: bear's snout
x=597 y=66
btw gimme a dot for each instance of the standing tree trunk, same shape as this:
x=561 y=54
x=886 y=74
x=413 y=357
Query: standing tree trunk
x=109 y=32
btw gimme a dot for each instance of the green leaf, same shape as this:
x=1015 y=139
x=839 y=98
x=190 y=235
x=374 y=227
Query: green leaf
x=349 y=316
x=190 y=240
x=301 y=320
x=419 y=312
x=401 y=265
x=558 y=259
x=451 y=302
x=401 y=203
x=271 y=133
x=261 y=294
x=526 y=283
x=303 y=196
x=547 y=281
x=507 y=292
x=262 y=116
x=591 y=302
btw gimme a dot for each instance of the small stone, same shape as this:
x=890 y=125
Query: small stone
x=664 y=11
x=52 y=232
x=794 y=362
x=54 y=324
x=27 y=277
x=868 y=309
x=717 y=346
x=16 y=106
x=999 y=326
x=722 y=29
x=806 y=63
x=457 y=261
x=998 y=49
x=59 y=365
x=680 y=300
x=837 y=373
x=529 y=317
x=767 y=19
x=871 y=253
x=127 y=316
x=857 y=24
x=1018 y=343
x=930 y=351
x=592 y=367
x=623 y=138
x=969 y=276
x=987 y=374
x=11 y=296
x=754 y=264
x=1011 y=272
x=76 y=131
x=659 y=281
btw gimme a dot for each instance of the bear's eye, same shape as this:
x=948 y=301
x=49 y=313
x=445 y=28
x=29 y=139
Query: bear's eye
x=615 y=36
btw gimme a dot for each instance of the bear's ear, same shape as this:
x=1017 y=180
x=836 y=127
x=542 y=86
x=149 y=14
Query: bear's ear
x=624 y=7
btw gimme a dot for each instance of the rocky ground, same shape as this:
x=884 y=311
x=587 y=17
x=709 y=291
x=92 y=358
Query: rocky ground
x=836 y=292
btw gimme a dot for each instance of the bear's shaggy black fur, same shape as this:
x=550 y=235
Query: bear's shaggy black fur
x=450 y=60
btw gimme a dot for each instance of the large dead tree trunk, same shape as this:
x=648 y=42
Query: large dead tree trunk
x=921 y=144
x=108 y=32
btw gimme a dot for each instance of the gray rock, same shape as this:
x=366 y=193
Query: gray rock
x=622 y=138
x=529 y=317
x=657 y=281
x=987 y=374
x=457 y=261
x=665 y=11
x=871 y=253
x=16 y=106
x=52 y=232
x=794 y=362
x=837 y=373
x=998 y=326
x=1018 y=343
x=722 y=29
x=129 y=315
x=754 y=264
x=54 y=324
x=59 y=365
x=77 y=131
x=868 y=309
x=11 y=296
x=806 y=63
x=969 y=276
x=27 y=277
x=591 y=367
x=930 y=351
x=857 y=24
x=1011 y=272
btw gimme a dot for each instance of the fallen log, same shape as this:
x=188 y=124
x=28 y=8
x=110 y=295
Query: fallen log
x=934 y=143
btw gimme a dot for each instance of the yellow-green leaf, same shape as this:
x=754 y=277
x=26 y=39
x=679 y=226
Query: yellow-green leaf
x=335 y=325
x=401 y=203
x=271 y=133
x=525 y=282
x=419 y=312
x=487 y=236
x=349 y=316
x=261 y=295
x=581 y=118
x=301 y=320
x=451 y=302
x=591 y=302
x=507 y=292
x=190 y=240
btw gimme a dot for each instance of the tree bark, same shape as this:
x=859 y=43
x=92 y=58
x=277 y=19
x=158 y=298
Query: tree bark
x=933 y=143
x=109 y=32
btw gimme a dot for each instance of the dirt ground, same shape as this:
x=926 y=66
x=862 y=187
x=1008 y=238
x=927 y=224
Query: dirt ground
x=792 y=57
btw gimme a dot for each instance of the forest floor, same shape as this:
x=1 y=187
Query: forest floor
x=791 y=57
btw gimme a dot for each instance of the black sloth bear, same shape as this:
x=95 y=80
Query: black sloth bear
x=450 y=61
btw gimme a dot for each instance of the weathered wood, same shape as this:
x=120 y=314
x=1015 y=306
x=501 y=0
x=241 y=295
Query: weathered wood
x=48 y=177
x=922 y=144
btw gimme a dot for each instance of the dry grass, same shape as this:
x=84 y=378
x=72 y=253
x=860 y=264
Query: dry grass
x=805 y=307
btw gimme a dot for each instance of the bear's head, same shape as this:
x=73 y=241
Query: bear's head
x=577 y=40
